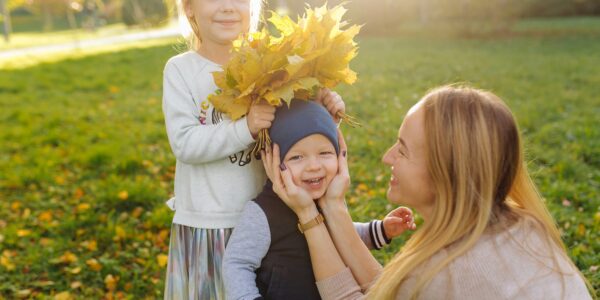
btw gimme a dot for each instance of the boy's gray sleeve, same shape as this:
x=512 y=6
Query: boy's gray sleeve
x=245 y=250
x=372 y=234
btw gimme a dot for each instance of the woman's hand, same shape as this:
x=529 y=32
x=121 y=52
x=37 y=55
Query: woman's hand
x=335 y=194
x=295 y=197
x=398 y=221
x=332 y=101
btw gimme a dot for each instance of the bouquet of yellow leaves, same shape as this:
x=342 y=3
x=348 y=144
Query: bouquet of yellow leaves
x=314 y=52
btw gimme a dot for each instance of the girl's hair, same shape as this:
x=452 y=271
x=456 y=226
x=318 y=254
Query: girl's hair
x=195 y=39
x=475 y=160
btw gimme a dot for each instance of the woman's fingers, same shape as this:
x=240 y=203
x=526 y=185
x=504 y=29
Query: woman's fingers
x=275 y=162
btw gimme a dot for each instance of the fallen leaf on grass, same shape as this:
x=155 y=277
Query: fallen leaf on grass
x=111 y=282
x=83 y=207
x=45 y=216
x=23 y=232
x=94 y=264
x=123 y=195
x=63 y=296
x=162 y=260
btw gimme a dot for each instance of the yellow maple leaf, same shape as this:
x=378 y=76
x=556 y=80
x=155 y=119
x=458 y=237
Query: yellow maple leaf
x=92 y=245
x=93 y=264
x=23 y=232
x=83 y=207
x=111 y=282
x=68 y=257
x=6 y=262
x=299 y=57
x=75 y=284
x=120 y=232
x=123 y=195
x=45 y=216
x=162 y=260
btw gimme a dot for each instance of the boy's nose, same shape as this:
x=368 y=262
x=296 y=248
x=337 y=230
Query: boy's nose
x=313 y=164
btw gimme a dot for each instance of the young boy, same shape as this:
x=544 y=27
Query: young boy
x=267 y=256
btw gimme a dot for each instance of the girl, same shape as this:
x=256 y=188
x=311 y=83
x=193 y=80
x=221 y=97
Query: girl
x=215 y=174
x=487 y=234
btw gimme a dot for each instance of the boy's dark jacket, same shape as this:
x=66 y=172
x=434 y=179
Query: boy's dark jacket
x=286 y=271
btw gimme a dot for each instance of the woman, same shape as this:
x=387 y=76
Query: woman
x=487 y=234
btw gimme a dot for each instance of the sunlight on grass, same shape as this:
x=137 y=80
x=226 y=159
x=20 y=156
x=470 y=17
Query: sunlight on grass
x=32 y=60
x=32 y=39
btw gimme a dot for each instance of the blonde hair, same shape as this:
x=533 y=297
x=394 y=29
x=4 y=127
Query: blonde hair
x=475 y=160
x=195 y=39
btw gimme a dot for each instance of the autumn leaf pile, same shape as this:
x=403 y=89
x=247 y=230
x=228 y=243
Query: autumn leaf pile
x=301 y=57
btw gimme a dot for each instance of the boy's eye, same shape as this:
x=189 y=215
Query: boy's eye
x=295 y=157
x=327 y=153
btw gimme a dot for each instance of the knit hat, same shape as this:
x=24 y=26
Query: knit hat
x=300 y=120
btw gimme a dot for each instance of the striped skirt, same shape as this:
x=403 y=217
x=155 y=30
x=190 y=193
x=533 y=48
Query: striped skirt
x=195 y=261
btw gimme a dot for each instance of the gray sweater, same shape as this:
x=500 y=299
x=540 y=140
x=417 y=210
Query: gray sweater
x=250 y=242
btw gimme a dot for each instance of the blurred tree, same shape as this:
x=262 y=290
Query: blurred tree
x=5 y=20
x=144 y=12
x=465 y=16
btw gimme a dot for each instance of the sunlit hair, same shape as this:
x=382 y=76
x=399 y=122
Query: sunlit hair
x=189 y=27
x=475 y=160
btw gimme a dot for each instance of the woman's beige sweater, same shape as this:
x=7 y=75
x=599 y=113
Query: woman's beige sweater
x=515 y=263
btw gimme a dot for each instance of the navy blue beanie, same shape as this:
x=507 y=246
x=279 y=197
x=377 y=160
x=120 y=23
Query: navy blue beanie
x=301 y=119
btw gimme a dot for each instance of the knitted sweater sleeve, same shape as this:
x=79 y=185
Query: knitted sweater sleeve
x=192 y=142
x=247 y=246
x=341 y=286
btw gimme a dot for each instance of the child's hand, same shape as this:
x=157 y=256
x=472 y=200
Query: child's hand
x=260 y=116
x=332 y=101
x=398 y=221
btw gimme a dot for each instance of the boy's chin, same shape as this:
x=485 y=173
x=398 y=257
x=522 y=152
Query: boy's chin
x=317 y=195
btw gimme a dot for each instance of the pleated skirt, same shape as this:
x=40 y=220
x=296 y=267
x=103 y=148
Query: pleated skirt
x=195 y=262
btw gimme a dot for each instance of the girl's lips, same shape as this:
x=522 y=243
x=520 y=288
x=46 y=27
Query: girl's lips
x=227 y=23
x=393 y=180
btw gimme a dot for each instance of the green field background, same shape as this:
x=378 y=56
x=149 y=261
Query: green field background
x=85 y=166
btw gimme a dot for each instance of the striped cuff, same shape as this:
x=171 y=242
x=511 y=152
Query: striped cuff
x=377 y=234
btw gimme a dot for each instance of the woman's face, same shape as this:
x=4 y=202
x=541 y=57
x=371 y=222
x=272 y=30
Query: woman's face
x=313 y=164
x=410 y=183
x=220 y=21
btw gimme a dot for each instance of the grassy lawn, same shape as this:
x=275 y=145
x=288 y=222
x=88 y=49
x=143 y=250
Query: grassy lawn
x=85 y=164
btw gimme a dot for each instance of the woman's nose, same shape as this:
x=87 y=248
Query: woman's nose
x=387 y=157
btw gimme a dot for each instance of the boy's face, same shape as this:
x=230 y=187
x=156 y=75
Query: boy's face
x=220 y=21
x=313 y=164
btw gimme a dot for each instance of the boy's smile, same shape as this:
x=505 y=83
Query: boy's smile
x=313 y=163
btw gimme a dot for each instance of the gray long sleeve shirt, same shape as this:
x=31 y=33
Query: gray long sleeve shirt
x=250 y=242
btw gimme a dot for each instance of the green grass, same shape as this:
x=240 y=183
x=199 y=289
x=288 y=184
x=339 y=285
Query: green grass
x=77 y=134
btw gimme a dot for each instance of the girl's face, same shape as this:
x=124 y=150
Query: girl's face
x=220 y=21
x=313 y=164
x=410 y=183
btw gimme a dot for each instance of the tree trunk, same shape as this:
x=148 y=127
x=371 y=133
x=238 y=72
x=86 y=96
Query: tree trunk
x=138 y=13
x=70 y=15
x=424 y=9
x=48 y=21
x=6 y=15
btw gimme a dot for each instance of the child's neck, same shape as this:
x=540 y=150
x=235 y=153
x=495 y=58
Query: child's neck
x=218 y=53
